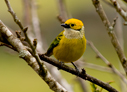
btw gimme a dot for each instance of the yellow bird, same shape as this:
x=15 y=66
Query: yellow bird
x=70 y=44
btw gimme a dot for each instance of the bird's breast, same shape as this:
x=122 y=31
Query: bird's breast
x=70 y=50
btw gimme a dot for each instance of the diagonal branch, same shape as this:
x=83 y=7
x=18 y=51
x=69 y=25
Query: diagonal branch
x=119 y=9
x=111 y=33
x=36 y=25
x=14 y=15
x=24 y=30
x=63 y=15
x=107 y=62
x=7 y=45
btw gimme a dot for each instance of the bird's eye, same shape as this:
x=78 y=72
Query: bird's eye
x=72 y=25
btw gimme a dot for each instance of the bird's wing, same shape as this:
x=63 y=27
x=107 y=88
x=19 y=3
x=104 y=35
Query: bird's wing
x=54 y=44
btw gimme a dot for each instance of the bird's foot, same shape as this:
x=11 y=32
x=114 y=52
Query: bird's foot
x=78 y=72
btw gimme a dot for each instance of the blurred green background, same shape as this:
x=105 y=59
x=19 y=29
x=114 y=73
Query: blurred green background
x=17 y=76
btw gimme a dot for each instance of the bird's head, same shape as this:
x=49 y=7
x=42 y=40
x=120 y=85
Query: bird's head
x=74 y=28
x=74 y=24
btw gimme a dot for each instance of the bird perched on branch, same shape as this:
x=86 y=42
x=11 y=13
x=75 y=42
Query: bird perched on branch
x=70 y=44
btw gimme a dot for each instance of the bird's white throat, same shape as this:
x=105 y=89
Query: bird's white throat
x=73 y=34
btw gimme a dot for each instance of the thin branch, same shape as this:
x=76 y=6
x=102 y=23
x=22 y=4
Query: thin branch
x=36 y=25
x=26 y=12
x=60 y=19
x=111 y=33
x=107 y=62
x=13 y=15
x=62 y=10
x=107 y=2
x=114 y=22
x=80 y=63
x=119 y=34
x=27 y=18
x=24 y=30
x=119 y=9
x=7 y=45
x=98 y=67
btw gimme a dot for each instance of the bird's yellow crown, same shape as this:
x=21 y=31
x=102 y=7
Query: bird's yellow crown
x=74 y=23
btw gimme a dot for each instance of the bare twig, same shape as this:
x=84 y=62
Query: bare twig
x=119 y=9
x=107 y=62
x=62 y=10
x=36 y=25
x=111 y=33
x=27 y=18
x=14 y=15
x=108 y=3
x=26 y=12
x=114 y=22
x=24 y=30
x=60 y=19
x=97 y=67
x=119 y=34
x=7 y=45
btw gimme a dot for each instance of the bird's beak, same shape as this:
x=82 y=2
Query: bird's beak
x=65 y=25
